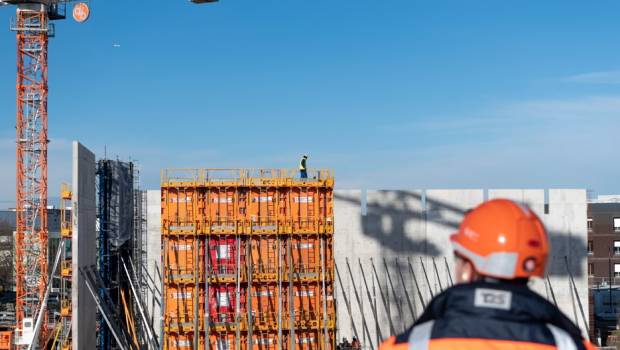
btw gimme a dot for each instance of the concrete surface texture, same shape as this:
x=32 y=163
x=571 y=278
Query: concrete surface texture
x=83 y=246
x=153 y=256
x=384 y=238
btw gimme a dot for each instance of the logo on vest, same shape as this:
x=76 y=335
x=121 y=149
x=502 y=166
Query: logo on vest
x=493 y=298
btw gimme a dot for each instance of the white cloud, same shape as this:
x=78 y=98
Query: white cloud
x=537 y=143
x=588 y=107
x=604 y=77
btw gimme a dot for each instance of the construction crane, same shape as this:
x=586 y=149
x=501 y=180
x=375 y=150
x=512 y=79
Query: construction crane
x=33 y=27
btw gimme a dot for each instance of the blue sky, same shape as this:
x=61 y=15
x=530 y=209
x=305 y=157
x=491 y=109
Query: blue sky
x=390 y=94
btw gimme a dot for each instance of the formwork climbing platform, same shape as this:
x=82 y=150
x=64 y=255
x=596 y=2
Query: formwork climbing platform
x=248 y=259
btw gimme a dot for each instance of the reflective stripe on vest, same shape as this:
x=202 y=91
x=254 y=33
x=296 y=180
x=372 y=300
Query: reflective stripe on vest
x=563 y=340
x=420 y=336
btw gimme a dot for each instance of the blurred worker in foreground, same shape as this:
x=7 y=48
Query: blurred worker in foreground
x=498 y=247
x=303 y=170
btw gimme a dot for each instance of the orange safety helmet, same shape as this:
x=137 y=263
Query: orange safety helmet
x=503 y=239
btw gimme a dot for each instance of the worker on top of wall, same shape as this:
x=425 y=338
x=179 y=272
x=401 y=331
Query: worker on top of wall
x=303 y=170
x=498 y=247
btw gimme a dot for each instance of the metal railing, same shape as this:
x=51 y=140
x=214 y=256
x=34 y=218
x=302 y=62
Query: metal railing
x=239 y=175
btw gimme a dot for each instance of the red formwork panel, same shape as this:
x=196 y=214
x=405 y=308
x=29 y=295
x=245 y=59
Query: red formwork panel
x=223 y=304
x=226 y=254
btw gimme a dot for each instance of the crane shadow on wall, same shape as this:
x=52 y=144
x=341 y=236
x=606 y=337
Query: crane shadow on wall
x=395 y=221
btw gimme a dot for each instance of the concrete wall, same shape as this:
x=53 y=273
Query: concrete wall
x=153 y=256
x=83 y=246
x=383 y=235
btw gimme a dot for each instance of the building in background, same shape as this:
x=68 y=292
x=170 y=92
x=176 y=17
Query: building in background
x=7 y=256
x=604 y=262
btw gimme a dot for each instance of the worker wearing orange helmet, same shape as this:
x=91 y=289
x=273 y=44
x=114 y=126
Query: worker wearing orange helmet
x=498 y=247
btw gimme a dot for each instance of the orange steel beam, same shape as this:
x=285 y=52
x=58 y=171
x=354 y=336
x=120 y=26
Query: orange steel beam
x=31 y=202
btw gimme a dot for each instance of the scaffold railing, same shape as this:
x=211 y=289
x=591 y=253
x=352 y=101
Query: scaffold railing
x=243 y=176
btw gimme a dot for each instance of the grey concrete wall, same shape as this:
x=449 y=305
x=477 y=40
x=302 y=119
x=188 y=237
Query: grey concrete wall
x=83 y=246
x=383 y=235
x=153 y=256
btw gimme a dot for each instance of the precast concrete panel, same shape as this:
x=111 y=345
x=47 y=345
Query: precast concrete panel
x=347 y=224
x=445 y=210
x=535 y=199
x=566 y=222
x=396 y=219
x=413 y=227
x=153 y=256
x=83 y=246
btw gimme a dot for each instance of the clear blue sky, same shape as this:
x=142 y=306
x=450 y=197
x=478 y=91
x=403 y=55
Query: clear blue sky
x=391 y=94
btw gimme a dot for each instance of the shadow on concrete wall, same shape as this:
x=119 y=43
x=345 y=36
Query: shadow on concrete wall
x=399 y=211
x=393 y=297
x=395 y=237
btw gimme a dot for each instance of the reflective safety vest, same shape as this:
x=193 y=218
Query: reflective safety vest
x=490 y=316
x=302 y=164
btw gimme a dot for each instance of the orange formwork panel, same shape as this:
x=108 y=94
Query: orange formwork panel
x=221 y=213
x=6 y=340
x=179 y=310
x=304 y=253
x=252 y=250
x=266 y=253
x=311 y=210
x=179 y=210
x=312 y=307
x=265 y=301
x=183 y=259
x=304 y=340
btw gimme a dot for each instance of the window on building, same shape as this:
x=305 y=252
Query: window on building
x=590 y=224
x=591 y=269
x=590 y=247
x=616 y=224
x=616 y=247
x=617 y=270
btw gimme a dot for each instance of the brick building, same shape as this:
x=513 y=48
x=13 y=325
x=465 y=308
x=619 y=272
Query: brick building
x=604 y=241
